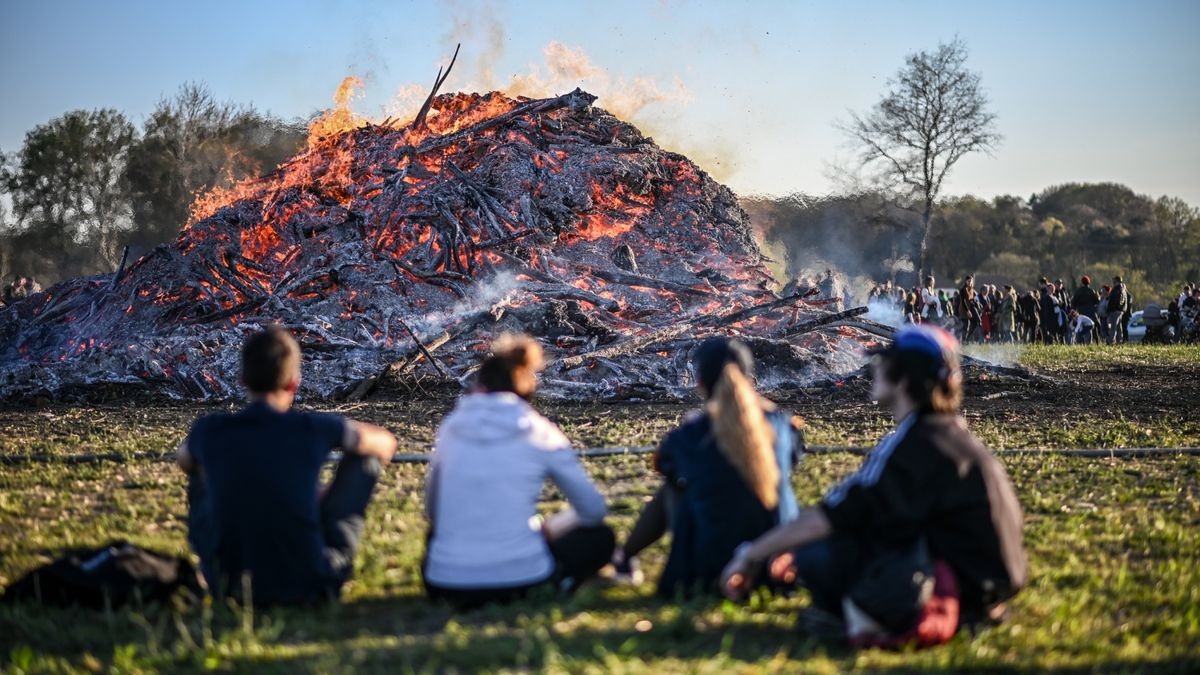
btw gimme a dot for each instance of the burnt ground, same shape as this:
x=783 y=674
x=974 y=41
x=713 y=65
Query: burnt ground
x=1094 y=398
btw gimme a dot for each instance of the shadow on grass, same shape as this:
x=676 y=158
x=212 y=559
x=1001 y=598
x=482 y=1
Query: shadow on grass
x=408 y=633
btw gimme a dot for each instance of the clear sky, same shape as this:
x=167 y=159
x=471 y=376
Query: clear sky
x=1084 y=91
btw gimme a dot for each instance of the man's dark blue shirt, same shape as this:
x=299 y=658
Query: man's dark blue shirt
x=261 y=469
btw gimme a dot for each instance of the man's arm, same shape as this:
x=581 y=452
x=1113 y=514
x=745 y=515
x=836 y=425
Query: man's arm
x=811 y=525
x=364 y=438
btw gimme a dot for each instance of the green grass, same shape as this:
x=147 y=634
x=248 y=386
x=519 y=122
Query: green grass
x=1098 y=357
x=1114 y=546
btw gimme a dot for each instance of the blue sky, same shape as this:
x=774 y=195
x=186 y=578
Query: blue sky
x=1084 y=91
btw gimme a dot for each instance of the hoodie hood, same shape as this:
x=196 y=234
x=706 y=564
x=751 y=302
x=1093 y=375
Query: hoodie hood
x=502 y=416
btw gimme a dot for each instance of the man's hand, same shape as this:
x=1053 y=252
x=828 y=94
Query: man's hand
x=775 y=545
x=184 y=458
x=738 y=575
x=363 y=438
x=783 y=568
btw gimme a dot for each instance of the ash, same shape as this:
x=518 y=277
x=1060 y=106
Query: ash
x=400 y=251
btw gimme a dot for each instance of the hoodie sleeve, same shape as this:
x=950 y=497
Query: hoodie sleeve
x=431 y=490
x=568 y=475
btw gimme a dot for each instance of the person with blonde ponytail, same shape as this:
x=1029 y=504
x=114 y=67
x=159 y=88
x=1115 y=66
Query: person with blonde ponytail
x=727 y=474
x=492 y=455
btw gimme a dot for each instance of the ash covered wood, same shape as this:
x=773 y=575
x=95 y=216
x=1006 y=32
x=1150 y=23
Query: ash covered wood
x=402 y=250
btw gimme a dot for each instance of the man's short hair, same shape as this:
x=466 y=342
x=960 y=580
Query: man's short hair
x=270 y=360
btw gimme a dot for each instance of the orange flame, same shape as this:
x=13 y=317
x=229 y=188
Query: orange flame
x=340 y=118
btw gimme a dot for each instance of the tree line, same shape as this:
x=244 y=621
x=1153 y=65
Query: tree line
x=88 y=183
x=1098 y=229
x=893 y=223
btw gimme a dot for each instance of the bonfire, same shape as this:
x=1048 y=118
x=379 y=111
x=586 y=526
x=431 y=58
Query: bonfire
x=399 y=250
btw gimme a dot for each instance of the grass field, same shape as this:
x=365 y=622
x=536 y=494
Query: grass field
x=1114 y=543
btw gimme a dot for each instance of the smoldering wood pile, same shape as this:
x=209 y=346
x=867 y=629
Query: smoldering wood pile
x=401 y=250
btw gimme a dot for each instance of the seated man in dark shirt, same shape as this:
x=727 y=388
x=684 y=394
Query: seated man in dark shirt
x=929 y=497
x=263 y=528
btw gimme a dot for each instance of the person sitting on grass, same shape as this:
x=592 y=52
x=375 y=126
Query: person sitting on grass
x=263 y=530
x=492 y=456
x=930 y=510
x=727 y=471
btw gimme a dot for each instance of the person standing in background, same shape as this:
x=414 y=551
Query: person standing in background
x=1086 y=301
x=1118 y=299
x=931 y=309
x=1006 y=315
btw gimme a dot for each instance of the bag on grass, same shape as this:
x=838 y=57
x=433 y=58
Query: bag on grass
x=109 y=576
x=904 y=597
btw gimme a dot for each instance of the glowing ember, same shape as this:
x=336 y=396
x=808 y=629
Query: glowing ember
x=399 y=249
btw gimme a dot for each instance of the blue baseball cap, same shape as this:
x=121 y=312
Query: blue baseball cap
x=930 y=343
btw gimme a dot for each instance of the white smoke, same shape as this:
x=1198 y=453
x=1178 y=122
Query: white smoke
x=885 y=312
x=483 y=295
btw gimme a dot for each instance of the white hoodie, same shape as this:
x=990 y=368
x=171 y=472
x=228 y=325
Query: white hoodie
x=491 y=458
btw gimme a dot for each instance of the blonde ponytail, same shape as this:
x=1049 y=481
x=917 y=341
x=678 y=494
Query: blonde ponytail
x=743 y=435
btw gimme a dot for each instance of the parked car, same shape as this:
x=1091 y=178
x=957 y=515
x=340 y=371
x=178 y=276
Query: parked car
x=1137 y=327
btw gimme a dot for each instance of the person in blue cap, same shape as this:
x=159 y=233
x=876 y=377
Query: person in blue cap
x=928 y=499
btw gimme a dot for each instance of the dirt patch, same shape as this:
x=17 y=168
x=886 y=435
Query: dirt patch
x=1092 y=405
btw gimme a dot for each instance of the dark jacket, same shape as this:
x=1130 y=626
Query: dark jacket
x=1118 y=299
x=717 y=511
x=1050 y=310
x=1086 y=300
x=932 y=479
x=968 y=304
x=1029 y=309
x=1064 y=300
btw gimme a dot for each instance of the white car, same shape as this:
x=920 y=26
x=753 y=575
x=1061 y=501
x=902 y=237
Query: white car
x=1137 y=328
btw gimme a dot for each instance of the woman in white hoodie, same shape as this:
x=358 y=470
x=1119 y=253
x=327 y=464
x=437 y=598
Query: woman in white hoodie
x=492 y=456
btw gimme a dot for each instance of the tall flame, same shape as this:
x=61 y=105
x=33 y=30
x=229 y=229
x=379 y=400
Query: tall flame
x=340 y=118
x=565 y=68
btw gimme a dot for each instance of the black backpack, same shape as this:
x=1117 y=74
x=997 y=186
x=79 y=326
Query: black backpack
x=109 y=576
x=1117 y=298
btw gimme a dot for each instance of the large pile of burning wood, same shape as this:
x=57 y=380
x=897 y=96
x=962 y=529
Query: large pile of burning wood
x=401 y=250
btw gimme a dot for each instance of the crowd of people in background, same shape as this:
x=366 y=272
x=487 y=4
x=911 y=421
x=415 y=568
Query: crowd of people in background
x=19 y=289
x=1049 y=314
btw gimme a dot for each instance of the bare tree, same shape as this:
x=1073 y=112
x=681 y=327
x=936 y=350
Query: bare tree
x=934 y=113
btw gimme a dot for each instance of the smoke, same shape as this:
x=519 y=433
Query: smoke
x=995 y=354
x=477 y=27
x=648 y=103
x=562 y=69
x=406 y=102
x=885 y=312
x=861 y=236
x=485 y=294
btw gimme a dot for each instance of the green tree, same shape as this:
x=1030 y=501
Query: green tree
x=191 y=143
x=933 y=115
x=67 y=191
x=1177 y=238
